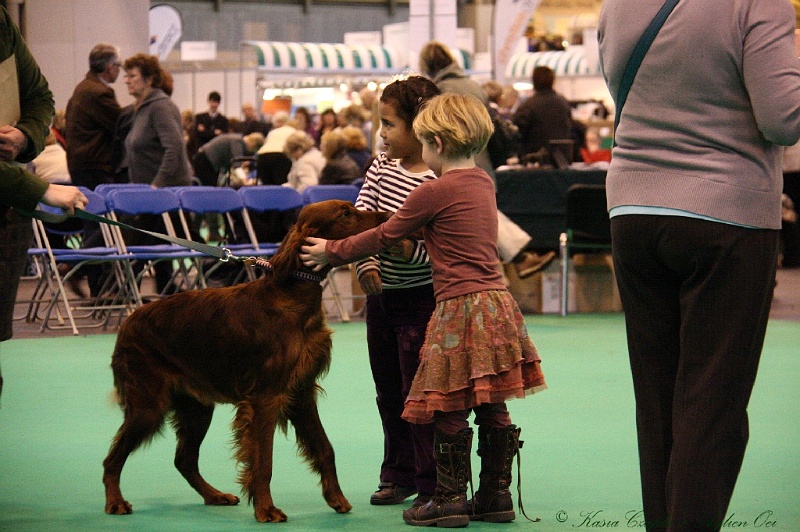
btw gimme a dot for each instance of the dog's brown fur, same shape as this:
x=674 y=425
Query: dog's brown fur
x=260 y=345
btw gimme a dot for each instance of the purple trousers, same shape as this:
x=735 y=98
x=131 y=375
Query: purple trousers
x=396 y=324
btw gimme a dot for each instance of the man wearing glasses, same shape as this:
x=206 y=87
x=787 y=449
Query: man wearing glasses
x=92 y=114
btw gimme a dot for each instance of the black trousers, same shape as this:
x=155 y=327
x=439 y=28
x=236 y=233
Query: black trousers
x=396 y=324
x=696 y=296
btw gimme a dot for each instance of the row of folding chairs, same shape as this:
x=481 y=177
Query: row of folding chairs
x=50 y=301
x=52 y=304
x=121 y=295
x=204 y=200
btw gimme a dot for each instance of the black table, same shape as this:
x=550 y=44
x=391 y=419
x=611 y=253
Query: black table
x=536 y=200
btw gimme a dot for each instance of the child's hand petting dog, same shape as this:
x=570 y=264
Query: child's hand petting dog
x=313 y=253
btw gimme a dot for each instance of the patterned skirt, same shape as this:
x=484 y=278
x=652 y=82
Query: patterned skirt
x=477 y=350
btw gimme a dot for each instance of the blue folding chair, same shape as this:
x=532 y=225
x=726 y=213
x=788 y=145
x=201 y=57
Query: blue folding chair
x=162 y=202
x=120 y=291
x=104 y=188
x=202 y=200
x=315 y=193
x=267 y=198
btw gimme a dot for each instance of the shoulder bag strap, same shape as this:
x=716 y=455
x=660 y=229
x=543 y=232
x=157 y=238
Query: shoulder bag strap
x=638 y=55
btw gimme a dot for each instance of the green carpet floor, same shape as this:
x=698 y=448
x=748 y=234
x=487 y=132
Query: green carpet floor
x=579 y=466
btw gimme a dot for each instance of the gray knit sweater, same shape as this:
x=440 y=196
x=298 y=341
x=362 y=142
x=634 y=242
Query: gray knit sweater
x=154 y=148
x=714 y=101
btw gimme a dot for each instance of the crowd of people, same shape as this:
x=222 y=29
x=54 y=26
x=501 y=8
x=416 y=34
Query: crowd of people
x=149 y=141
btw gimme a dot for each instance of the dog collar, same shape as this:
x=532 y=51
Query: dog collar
x=302 y=276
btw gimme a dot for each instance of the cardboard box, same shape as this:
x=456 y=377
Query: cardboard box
x=595 y=286
x=592 y=287
x=527 y=292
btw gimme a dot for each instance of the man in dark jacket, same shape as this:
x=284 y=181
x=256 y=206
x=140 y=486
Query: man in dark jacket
x=92 y=114
x=212 y=123
x=543 y=117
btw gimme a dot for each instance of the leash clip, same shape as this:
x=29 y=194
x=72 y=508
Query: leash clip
x=227 y=255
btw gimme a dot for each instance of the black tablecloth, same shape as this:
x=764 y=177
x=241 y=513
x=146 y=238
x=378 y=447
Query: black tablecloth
x=536 y=200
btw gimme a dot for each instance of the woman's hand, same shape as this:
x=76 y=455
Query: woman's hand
x=313 y=253
x=67 y=197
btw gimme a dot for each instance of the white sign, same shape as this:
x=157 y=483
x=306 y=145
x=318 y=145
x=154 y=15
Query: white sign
x=510 y=20
x=166 y=29
x=362 y=38
x=198 y=50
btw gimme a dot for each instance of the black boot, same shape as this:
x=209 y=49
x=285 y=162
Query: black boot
x=496 y=447
x=448 y=508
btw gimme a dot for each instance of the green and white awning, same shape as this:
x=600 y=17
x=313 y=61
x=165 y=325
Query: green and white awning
x=570 y=62
x=314 y=58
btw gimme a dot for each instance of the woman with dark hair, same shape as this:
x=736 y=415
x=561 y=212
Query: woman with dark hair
x=327 y=122
x=304 y=121
x=436 y=61
x=155 y=152
x=154 y=146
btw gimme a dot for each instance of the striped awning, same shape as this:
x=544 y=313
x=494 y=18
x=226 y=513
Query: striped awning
x=314 y=58
x=570 y=62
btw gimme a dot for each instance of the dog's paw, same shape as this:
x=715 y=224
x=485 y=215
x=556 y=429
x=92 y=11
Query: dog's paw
x=119 y=507
x=221 y=499
x=340 y=504
x=270 y=515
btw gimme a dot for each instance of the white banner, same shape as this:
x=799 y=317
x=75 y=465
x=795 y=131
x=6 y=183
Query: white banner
x=510 y=20
x=166 y=28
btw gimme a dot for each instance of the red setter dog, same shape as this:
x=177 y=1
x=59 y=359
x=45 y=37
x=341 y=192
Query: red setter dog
x=260 y=345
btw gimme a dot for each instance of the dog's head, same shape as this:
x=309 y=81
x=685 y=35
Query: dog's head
x=332 y=220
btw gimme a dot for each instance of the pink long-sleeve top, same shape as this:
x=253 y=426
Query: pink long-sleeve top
x=458 y=217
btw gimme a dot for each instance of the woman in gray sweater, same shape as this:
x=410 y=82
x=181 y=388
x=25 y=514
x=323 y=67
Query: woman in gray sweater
x=694 y=192
x=155 y=152
x=154 y=147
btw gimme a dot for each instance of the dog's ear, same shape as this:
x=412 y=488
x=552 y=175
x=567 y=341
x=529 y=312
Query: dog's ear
x=287 y=258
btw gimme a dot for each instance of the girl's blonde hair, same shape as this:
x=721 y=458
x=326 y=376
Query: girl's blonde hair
x=460 y=121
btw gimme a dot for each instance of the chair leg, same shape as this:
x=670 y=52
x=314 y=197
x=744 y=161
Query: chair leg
x=330 y=283
x=62 y=295
x=564 y=249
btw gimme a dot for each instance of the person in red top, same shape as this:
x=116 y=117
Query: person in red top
x=477 y=352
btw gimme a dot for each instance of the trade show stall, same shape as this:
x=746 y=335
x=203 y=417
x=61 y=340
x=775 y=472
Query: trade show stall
x=292 y=65
x=323 y=74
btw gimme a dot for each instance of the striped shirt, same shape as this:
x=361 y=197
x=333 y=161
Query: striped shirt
x=386 y=186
